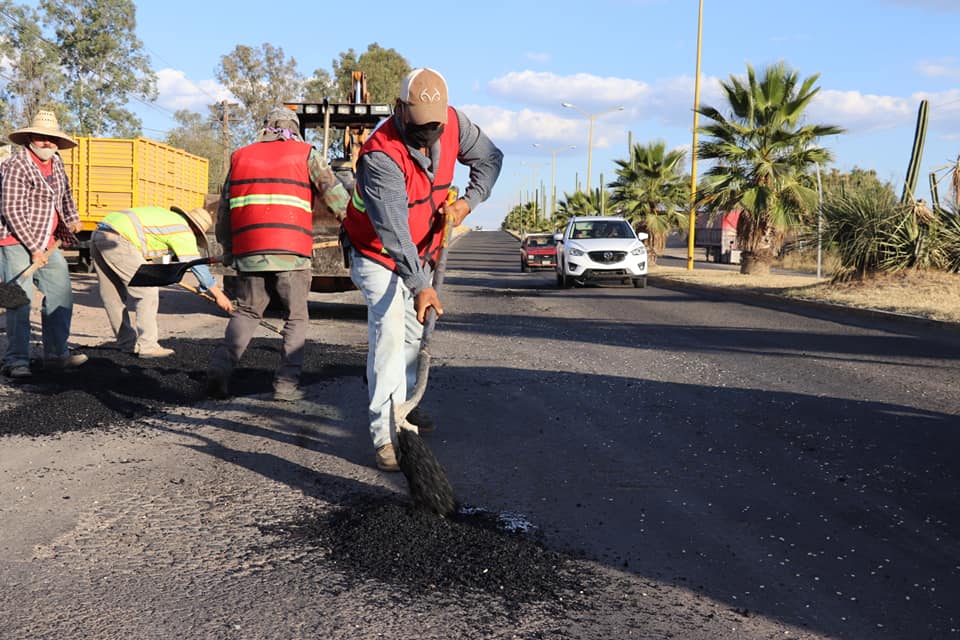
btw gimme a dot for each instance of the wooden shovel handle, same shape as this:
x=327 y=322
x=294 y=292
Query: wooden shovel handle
x=29 y=271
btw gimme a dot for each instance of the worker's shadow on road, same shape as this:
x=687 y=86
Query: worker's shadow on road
x=713 y=489
x=312 y=481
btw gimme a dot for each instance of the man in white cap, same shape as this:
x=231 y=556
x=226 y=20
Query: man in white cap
x=265 y=225
x=36 y=210
x=124 y=240
x=395 y=223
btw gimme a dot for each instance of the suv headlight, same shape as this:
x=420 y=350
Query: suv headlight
x=576 y=252
x=639 y=251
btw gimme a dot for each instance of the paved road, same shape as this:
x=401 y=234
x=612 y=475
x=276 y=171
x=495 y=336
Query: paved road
x=718 y=470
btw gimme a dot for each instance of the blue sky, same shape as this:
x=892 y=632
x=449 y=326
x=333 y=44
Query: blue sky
x=510 y=65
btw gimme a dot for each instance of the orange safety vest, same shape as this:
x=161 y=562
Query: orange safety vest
x=423 y=197
x=271 y=199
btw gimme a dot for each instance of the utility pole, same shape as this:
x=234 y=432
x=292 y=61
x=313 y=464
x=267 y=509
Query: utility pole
x=225 y=115
x=691 y=242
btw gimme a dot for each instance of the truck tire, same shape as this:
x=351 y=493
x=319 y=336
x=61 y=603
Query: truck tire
x=640 y=283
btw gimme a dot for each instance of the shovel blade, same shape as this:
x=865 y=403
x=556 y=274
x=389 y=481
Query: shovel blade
x=159 y=275
x=12 y=296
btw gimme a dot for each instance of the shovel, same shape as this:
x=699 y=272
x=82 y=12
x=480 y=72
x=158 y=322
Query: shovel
x=429 y=487
x=12 y=295
x=263 y=323
x=159 y=275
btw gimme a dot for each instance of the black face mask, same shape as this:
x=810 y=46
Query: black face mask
x=424 y=135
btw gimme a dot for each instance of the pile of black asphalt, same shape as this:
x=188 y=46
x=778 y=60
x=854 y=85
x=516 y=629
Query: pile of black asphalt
x=115 y=388
x=471 y=553
x=378 y=536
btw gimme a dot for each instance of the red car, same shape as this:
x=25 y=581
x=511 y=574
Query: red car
x=538 y=251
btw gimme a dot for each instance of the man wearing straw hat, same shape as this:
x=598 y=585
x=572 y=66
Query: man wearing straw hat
x=37 y=210
x=126 y=239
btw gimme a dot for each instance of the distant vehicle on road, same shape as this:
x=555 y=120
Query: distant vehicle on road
x=538 y=251
x=717 y=235
x=600 y=248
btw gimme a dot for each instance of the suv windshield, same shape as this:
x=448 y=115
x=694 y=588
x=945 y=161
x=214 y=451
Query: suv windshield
x=604 y=229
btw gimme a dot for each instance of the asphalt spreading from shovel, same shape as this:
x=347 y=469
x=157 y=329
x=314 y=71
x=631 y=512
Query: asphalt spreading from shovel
x=429 y=488
x=366 y=536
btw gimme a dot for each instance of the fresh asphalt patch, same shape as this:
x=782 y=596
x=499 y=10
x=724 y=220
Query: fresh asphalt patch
x=374 y=536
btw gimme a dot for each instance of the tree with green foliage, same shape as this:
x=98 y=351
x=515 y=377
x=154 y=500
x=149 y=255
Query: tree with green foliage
x=384 y=69
x=581 y=203
x=33 y=75
x=104 y=64
x=260 y=79
x=525 y=219
x=761 y=153
x=201 y=136
x=319 y=86
x=650 y=191
x=836 y=182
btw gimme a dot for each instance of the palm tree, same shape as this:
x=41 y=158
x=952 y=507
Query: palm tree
x=762 y=151
x=578 y=203
x=649 y=192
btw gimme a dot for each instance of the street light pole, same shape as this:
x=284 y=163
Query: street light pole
x=591 y=117
x=553 y=175
x=534 y=167
x=691 y=242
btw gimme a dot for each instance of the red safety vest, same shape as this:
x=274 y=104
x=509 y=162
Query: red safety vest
x=423 y=197
x=271 y=199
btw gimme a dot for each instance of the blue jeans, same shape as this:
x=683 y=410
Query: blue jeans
x=393 y=335
x=53 y=281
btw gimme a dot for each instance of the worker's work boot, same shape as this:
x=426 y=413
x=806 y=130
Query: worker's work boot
x=159 y=352
x=69 y=361
x=421 y=420
x=17 y=372
x=387 y=458
x=217 y=384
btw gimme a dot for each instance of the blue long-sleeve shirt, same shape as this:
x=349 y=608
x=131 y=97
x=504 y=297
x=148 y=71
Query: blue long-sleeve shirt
x=383 y=188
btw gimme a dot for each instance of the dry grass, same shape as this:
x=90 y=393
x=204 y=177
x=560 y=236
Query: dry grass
x=928 y=294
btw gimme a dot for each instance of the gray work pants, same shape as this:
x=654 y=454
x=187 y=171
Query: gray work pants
x=253 y=296
x=116 y=260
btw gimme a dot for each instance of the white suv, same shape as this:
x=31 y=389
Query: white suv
x=600 y=248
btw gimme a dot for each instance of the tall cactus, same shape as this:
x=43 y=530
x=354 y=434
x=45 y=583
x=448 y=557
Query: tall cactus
x=913 y=170
x=934 y=191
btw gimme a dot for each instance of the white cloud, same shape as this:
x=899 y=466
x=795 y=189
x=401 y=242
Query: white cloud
x=589 y=91
x=541 y=58
x=526 y=125
x=861 y=113
x=175 y=91
x=669 y=103
x=858 y=112
x=943 y=68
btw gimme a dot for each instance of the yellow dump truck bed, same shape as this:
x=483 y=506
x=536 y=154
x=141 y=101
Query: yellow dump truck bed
x=109 y=174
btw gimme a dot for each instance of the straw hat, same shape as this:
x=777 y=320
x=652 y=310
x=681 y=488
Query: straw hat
x=199 y=218
x=44 y=124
